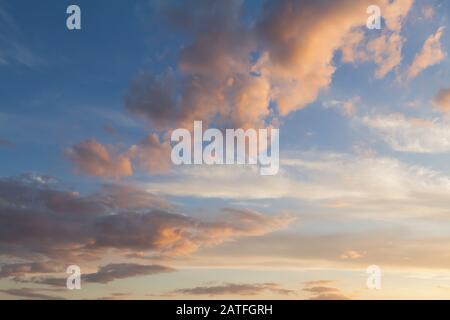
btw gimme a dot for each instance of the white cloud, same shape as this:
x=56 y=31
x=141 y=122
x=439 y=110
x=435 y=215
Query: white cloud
x=369 y=183
x=406 y=134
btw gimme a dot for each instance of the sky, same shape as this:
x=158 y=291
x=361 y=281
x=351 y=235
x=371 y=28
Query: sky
x=86 y=176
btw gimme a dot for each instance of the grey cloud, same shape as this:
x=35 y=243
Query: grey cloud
x=37 y=220
x=19 y=269
x=5 y=143
x=30 y=293
x=105 y=274
x=112 y=272
x=235 y=289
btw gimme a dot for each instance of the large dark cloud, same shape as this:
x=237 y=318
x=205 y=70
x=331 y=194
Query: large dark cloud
x=39 y=221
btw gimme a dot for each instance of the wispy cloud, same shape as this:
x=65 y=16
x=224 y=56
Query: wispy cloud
x=233 y=289
x=322 y=292
x=408 y=134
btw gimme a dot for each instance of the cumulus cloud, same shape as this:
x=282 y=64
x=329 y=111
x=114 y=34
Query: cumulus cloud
x=213 y=73
x=235 y=74
x=408 y=134
x=241 y=289
x=219 y=78
x=442 y=100
x=431 y=54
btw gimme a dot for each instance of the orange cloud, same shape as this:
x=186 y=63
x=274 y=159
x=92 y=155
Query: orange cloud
x=442 y=100
x=218 y=78
x=430 y=54
x=152 y=155
x=94 y=159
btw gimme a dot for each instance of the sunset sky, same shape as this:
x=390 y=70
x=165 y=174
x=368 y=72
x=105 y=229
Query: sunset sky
x=86 y=176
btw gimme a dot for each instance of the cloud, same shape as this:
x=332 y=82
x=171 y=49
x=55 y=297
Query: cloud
x=317 y=283
x=430 y=54
x=20 y=269
x=12 y=47
x=116 y=296
x=40 y=221
x=323 y=292
x=232 y=71
x=105 y=274
x=391 y=243
x=312 y=176
x=385 y=50
x=30 y=293
x=347 y=107
x=352 y=254
x=442 y=100
x=174 y=234
x=234 y=289
x=152 y=155
x=5 y=143
x=427 y=12
x=235 y=74
x=94 y=159
x=212 y=76
x=406 y=134
x=387 y=53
